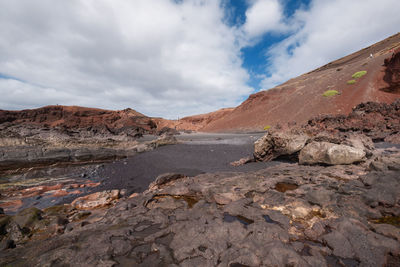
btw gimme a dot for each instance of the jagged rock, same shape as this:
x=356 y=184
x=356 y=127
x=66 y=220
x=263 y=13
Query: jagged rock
x=359 y=141
x=275 y=144
x=379 y=121
x=235 y=218
x=386 y=162
x=242 y=161
x=387 y=230
x=350 y=238
x=164 y=179
x=96 y=200
x=328 y=153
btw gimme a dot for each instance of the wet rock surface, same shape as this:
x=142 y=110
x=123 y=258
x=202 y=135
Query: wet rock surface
x=67 y=150
x=60 y=184
x=288 y=214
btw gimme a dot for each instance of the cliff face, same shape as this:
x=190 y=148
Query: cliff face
x=76 y=118
x=302 y=98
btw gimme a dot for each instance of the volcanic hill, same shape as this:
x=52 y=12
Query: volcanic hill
x=302 y=98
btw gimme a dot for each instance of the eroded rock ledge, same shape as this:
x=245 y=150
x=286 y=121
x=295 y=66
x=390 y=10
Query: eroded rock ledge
x=344 y=215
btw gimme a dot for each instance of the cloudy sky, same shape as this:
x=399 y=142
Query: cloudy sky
x=173 y=58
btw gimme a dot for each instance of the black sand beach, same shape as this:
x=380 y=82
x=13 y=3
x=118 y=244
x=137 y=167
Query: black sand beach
x=137 y=172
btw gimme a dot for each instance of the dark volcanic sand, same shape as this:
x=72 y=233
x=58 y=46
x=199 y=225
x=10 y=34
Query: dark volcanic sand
x=136 y=173
x=196 y=154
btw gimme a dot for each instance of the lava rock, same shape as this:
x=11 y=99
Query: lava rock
x=328 y=153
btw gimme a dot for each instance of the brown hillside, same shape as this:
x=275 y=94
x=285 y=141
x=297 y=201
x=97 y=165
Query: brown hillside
x=74 y=117
x=193 y=123
x=301 y=98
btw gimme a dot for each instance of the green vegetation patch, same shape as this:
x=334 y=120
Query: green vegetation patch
x=359 y=74
x=329 y=93
x=267 y=127
x=351 y=82
x=393 y=220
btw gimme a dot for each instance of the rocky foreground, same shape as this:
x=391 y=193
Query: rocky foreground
x=335 y=203
x=287 y=215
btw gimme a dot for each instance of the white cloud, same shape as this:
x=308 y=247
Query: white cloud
x=168 y=58
x=330 y=30
x=263 y=16
x=160 y=57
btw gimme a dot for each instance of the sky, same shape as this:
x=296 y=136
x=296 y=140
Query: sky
x=174 y=58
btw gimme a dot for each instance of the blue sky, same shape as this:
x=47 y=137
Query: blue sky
x=253 y=56
x=170 y=58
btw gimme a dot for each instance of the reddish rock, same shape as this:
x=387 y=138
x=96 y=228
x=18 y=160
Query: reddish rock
x=11 y=205
x=59 y=193
x=92 y=184
x=69 y=118
x=64 y=192
x=379 y=121
x=39 y=190
x=96 y=200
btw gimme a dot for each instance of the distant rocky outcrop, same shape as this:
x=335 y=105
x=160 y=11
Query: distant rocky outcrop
x=75 y=120
x=379 y=121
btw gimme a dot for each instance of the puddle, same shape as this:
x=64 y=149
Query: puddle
x=283 y=187
x=393 y=220
x=269 y=220
x=243 y=220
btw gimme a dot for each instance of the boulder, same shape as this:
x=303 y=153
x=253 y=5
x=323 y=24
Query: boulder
x=96 y=200
x=275 y=144
x=331 y=154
